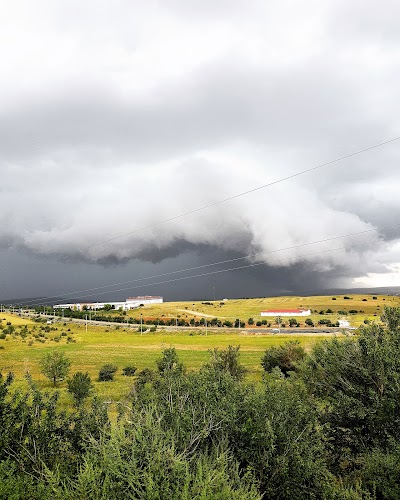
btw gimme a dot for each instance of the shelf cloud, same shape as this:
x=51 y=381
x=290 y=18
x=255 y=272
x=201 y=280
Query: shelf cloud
x=113 y=119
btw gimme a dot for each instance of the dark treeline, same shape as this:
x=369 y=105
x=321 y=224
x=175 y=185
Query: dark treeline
x=323 y=425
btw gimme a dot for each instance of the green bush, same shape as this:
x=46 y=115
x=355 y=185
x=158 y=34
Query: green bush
x=285 y=357
x=79 y=386
x=107 y=372
x=129 y=371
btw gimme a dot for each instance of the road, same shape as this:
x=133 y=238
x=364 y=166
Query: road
x=256 y=330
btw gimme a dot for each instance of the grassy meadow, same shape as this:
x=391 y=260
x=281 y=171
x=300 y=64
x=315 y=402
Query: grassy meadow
x=126 y=346
x=251 y=308
x=122 y=347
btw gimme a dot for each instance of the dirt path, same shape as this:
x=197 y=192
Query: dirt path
x=197 y=313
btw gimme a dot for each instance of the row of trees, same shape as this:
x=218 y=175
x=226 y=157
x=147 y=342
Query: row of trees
x=323 y=425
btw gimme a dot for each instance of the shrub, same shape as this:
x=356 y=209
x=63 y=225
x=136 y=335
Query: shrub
x=284 y=357
x=79 y=386
x=129 y=371
x=107 y=372
x=169 y=362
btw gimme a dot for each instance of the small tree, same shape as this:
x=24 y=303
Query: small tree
x=107 y=372
x=251 y=321
x=55 y=366
x=169 y=363
x=227 y=360
x=79 y=386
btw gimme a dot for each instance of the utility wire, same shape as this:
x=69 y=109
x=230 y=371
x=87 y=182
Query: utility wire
x=247 y=266
x=292 y=176
x=65 y=295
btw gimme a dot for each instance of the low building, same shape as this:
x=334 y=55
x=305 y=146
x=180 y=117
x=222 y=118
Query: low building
x=130 y=303
x=344 y=323
x=286 y=312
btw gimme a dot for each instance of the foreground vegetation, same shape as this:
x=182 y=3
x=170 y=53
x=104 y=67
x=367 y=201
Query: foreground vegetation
x=323 y=424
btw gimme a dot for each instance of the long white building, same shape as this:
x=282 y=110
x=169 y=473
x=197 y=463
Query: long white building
x=129 y=303
x=286 y=312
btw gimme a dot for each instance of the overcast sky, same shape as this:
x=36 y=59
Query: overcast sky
x=117 y=115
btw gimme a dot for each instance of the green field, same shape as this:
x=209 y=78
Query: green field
x=251 y=308
x=122 y=347
x=100 y=345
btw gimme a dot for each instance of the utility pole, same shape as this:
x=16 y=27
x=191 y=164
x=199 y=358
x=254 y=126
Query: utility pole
x=86 y=322
x=176 y=323
x=206 y=328
x=141 y=329
x=214 y=292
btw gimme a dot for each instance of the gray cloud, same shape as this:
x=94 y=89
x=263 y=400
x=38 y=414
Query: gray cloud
x=146 y=115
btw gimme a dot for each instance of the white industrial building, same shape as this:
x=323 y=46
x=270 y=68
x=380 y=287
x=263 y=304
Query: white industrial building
x=286 y=312
x=129 y=303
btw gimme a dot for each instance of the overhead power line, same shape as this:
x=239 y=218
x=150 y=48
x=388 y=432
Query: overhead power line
x=65 y=295
x=244 y=193
x=247 y=266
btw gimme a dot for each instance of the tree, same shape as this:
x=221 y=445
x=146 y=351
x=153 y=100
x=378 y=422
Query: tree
x=169 y=362
x=107 y=307
x=55 y=366
x=227 y=360
x=79 y=386
x=284 y=357
x=251 y=321
x=309 y=322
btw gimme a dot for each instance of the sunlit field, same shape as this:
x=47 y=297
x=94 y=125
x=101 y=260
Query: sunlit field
x=366 y=306
x=122 y=347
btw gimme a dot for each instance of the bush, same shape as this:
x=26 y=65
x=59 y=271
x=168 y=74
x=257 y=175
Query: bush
x=107 y=372
x=169 y=362
x=79 y=386
x=129 y=371
x=284 y=357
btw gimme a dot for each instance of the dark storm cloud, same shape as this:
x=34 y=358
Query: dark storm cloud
x=125 y=118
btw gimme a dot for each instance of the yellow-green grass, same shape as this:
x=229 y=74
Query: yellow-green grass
x=123 y=347
x=251 y=308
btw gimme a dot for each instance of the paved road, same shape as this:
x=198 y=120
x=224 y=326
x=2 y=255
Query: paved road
x=296 y=331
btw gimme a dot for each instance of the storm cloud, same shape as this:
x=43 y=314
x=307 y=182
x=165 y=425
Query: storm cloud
x=114 y=117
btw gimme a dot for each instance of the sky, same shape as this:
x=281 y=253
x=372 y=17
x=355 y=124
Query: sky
x=115 y=116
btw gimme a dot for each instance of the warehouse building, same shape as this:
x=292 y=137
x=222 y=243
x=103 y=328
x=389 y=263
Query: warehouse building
x=129 y=303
